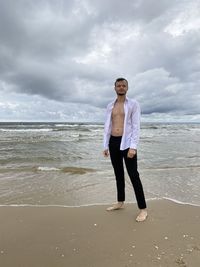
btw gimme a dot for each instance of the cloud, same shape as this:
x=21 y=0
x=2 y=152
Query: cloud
x=23 y=108
x=70 y=52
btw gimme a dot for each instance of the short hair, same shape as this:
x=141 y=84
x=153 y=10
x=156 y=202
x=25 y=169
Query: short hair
x=120 y=79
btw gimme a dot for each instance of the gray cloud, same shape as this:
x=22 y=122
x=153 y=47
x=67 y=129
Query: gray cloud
x=72 y=51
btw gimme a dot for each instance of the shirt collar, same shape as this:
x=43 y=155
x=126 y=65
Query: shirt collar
x=113 y=102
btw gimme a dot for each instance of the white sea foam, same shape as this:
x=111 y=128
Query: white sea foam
x=181 y=202
x=67 y=125
x=26 y=130
x=48 y=169
x=93 y=204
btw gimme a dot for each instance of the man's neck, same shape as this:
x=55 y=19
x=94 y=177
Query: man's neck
x=121 y=98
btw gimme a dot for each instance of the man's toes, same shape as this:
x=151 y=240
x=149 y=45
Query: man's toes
x=141 y=217
x=115 y=207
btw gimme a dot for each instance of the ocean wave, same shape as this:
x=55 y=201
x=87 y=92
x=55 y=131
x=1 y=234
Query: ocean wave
x=47 y=169
x=98 y=204
x=70 y=125
x=26 y=130
x=77 y=127
x=164 y=168
x=181 y=202
x=77 y=170
x=72 y=170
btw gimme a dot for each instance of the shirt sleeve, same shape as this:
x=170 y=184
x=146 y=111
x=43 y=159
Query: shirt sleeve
x=106 y=135
x=135 y=121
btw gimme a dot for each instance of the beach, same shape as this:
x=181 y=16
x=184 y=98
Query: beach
x=89 y=236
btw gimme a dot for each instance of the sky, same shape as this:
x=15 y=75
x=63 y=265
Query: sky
x=59 y=58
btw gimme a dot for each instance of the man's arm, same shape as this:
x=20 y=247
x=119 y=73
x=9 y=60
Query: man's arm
x=135 y=121
x=107 y=129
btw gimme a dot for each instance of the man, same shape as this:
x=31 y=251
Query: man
x=121 y=137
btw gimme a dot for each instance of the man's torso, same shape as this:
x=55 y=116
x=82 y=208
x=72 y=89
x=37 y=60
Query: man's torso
x=118 y=119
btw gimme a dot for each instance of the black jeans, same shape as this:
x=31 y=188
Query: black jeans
x=117 y=157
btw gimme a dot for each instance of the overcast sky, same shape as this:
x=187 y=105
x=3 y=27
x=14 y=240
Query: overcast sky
x=59 y=58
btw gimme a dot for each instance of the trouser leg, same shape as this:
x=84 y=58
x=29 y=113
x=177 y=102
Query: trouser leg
x=131 y=165
x=117 y=162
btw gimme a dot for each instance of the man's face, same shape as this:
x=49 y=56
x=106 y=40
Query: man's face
x=121 y=87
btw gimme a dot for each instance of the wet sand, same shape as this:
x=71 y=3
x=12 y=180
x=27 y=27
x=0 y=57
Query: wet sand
x=92 y=237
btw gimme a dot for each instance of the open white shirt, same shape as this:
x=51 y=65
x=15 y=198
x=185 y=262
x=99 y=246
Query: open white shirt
x=130 y=137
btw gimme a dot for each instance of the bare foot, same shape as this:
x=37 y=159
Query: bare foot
x=116 y=206
x=142 y=216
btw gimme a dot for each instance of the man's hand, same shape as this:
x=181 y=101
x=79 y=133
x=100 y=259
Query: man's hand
x=131 y=153
x=106 y=153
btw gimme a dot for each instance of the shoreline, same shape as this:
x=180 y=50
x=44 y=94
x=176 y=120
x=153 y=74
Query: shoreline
x=99 y=204
x=91 y=237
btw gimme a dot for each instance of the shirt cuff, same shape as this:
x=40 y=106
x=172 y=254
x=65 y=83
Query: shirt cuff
x=133 y=146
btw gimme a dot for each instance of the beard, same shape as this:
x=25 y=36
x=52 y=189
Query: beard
x=121 y=94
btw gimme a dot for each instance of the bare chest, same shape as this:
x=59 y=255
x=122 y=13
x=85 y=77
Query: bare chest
x=118 y=110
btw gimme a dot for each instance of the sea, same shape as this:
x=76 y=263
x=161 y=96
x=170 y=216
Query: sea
x=62 y=164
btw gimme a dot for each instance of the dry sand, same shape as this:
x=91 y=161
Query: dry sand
x=92 y=237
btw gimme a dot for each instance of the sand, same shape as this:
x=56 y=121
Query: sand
x=93 y=237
